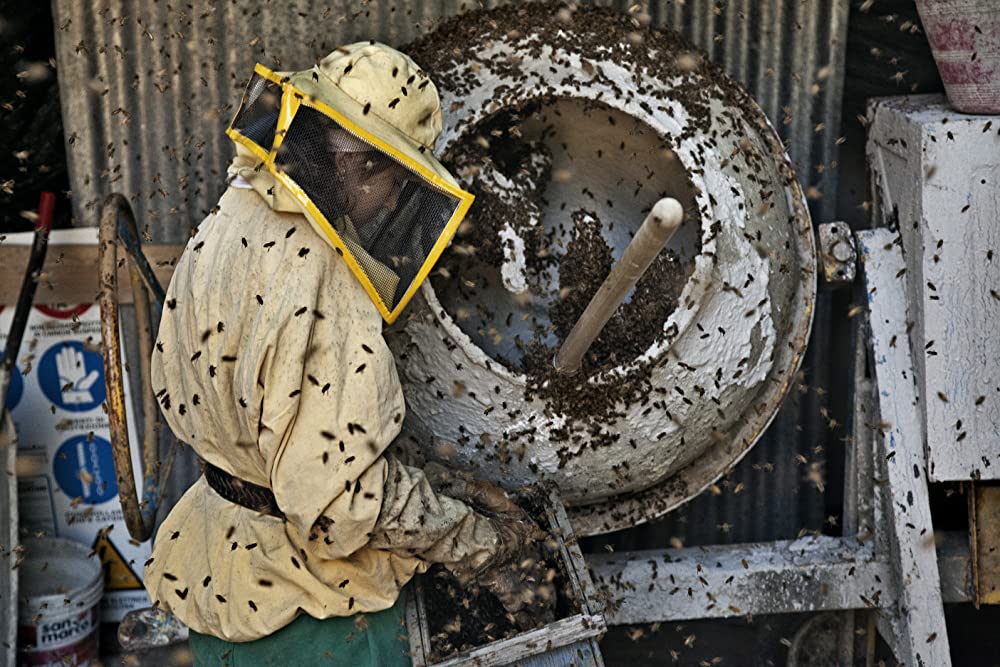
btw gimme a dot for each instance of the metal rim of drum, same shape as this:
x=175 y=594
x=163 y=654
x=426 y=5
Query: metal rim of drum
x=619 y=512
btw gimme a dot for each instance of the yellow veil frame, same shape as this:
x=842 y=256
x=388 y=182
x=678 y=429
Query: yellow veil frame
x=291 y=99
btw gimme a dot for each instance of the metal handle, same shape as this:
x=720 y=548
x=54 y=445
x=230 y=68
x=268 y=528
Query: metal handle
x=118 y=226
x=656 y=230
x=46 y=206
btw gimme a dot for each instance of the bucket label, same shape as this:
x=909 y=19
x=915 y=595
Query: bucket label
x=65 y=640
x=67 y=486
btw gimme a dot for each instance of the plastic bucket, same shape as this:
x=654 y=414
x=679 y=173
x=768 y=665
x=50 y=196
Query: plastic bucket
x=965 y=39
x=61 y=585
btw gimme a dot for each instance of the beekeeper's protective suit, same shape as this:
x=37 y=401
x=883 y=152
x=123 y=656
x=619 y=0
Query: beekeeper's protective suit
x=270 y=363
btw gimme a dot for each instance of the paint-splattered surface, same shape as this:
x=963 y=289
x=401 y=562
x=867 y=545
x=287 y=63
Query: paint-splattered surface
x=694 y=401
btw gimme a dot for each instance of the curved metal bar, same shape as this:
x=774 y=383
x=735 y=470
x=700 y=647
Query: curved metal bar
x=46 y=206
x=128 y=235
x=117 y=225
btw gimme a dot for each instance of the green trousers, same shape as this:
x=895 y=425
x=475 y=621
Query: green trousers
x=379 y=640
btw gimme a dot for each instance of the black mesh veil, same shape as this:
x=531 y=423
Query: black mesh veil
x=384 y=212
x=258 y=115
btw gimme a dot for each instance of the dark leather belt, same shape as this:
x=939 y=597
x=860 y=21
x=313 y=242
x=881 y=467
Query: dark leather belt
x=241 y=492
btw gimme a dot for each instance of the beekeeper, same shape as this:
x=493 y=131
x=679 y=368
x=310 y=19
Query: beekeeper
x=294 y=545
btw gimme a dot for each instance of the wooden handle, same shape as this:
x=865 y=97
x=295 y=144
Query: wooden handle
x=655 y=232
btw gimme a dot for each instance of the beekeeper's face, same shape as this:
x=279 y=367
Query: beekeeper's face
x=372 y=185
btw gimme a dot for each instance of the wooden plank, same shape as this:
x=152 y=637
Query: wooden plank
x=579 y=654
x=805 y=575
x=524 y=646
x=985 y=539
x=416 y=624
x=69 y=275
x=859 y=507
x=936 y=174
x=8 y=535
x=820 y=573
x=918 y=622
x=576 y=566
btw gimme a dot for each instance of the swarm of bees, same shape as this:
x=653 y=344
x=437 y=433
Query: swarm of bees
x=810 y=462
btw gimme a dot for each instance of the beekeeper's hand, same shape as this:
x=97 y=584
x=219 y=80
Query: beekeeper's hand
x=516 y=572
x=472 y=528
x=522 y=583
x=479 y=493
x=514 y=533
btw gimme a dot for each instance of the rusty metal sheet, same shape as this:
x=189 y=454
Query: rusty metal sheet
x=984 y=538
x=150 y=86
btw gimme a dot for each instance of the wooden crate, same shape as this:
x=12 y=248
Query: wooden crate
x=565 y=642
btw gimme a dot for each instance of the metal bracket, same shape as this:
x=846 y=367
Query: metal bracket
x=838 y=255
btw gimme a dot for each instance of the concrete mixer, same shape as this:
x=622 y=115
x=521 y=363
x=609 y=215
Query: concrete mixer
x=568 y=125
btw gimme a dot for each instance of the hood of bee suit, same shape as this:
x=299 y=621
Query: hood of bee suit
x=363 y=97
x=291 y=131
x=349 y=79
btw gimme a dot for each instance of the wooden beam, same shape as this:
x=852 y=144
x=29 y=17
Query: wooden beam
x=809 y=574
x=815 y=573
x=8 y=534
x=933 y=173
x=69 y=275
x=918 y=622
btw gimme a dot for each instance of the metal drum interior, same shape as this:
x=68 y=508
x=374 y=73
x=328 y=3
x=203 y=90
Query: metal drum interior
x=568 y=130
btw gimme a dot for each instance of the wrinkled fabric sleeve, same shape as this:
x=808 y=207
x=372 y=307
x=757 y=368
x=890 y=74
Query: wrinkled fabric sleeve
x=414 y=521
x=417 y=521
x=270 y=363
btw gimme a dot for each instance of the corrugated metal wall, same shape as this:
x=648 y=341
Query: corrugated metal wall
x=148 y=87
